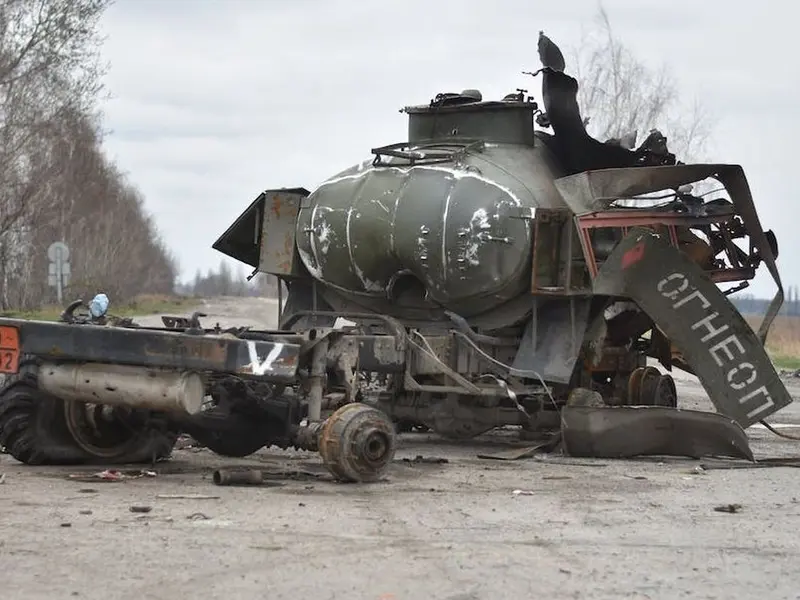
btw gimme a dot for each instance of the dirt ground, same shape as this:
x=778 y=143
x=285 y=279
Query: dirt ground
x=433 y=530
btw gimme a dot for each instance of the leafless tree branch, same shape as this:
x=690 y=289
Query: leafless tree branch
x=55 y=182
x=620 y=94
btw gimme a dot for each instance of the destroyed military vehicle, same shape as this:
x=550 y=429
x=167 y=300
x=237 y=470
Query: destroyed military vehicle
x=498 y=267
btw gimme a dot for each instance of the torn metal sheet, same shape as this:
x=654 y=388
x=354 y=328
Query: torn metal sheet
x=243 y=240
x=523 y=452
x=625 y=432
x=713 y=337
x=545 y=348
x=590 y=191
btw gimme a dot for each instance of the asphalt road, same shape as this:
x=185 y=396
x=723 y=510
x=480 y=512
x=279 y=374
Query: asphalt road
x=433 y=530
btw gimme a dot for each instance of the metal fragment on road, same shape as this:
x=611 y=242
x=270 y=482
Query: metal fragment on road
x=186 y=497
x=625 y=432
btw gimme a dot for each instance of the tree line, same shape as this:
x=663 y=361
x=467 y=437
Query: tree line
x=748 y=304
x=225 y=281
x=56 y=184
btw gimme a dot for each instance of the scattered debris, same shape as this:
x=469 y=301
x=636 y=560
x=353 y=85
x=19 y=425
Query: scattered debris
x=66 y=524
x=698 y=470
x=198 y=516
x=186 y=497
x=238 y=477
x=524 y=452
x=763 y=463
x=428 y=460
x=141 y=509
x=85 y=512
x=556 y=477
x=2 y=478
x=562 y=462
x=112 y=475
x=523 y=493
x=186 y=442
x=728 y=508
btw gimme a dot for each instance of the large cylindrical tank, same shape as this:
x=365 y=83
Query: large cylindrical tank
x=455 y=234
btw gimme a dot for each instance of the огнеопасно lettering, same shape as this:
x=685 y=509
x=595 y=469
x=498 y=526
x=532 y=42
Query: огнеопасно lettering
x=721 y=343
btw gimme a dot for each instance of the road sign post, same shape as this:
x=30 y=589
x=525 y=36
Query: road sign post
x=59 y=269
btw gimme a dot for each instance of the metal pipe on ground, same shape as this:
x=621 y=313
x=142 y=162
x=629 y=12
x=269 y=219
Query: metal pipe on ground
x=225 y=476
x=122 y=385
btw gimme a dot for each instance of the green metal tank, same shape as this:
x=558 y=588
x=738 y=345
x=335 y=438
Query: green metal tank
x=443 y=221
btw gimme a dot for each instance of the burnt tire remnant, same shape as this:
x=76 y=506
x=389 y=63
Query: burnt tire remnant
x=37 y=429
x=357 y=443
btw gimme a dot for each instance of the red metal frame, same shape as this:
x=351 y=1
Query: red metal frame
x=626 y=219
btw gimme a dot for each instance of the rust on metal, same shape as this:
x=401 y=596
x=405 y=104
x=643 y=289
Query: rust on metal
x=238 y=476
x=9 y=349
x=357 y=443
x=203 y=348
x=277 y=238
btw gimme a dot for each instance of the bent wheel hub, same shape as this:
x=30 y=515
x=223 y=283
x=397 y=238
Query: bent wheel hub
x=376 y=447
x=665 y=393
x=357 y=443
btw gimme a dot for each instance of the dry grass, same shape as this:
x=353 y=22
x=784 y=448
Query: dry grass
x=146 y=304
x=783 y=341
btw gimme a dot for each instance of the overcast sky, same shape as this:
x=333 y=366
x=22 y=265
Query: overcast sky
x=216 y=100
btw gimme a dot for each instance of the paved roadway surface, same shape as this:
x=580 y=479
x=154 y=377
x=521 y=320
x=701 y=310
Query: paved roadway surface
x=454 y=530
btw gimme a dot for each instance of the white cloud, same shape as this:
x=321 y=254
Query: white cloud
x=215 y=101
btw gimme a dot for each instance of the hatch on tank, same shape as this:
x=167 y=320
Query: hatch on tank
x=466 y=115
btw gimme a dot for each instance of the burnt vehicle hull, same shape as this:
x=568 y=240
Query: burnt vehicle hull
x=496 y=247
x=489 y=274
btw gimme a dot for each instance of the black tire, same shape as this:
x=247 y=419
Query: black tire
x=34 y=429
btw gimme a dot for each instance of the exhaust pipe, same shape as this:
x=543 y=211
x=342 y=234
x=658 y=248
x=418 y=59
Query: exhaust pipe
x=120 y=385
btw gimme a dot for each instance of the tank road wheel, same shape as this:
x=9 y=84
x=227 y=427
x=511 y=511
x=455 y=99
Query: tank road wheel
x=39 y=429
x=357 y=443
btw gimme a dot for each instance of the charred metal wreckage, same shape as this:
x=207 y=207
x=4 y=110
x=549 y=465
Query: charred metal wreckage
x=490 y=274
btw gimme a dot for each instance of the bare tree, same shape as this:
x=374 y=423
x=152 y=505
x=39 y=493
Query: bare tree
x=55 y=182
x=620 y=94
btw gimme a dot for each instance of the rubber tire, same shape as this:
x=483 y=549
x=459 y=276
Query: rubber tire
x=33 y=429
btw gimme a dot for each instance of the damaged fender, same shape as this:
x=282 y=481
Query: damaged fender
x=715 y=340
x=625 y=432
